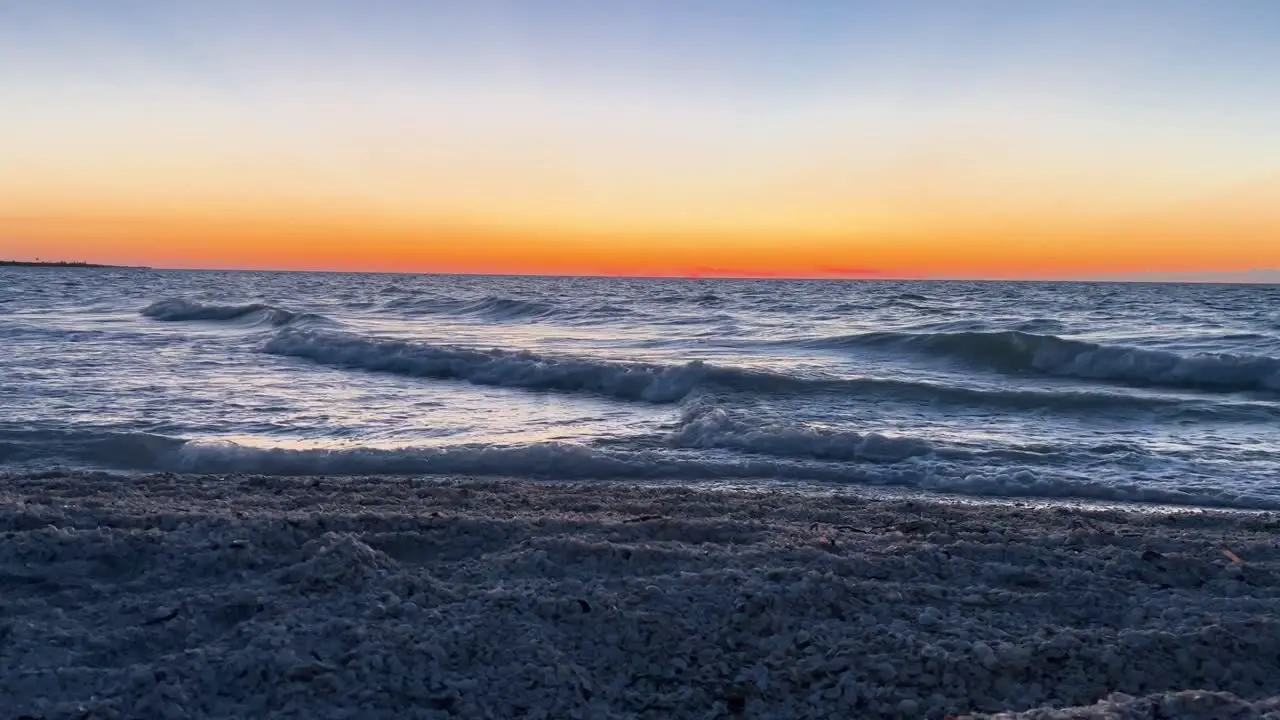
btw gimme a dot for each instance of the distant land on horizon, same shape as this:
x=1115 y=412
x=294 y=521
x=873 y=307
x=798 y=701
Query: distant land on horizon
x=65 y=264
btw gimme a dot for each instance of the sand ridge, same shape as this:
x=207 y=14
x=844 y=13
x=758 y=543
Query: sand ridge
x=236 y=596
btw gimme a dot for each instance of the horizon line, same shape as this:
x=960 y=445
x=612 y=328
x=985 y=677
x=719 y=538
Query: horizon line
x=1158 y=277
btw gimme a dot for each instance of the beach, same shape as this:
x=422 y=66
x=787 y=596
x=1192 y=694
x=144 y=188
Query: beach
x=174 y=595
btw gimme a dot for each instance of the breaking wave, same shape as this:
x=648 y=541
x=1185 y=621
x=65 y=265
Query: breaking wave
x=112 y=448
x=1020 y=352
x=705 y=428
x=575 y=462
x=519 y=369
x=661 y=384
x=180 y=310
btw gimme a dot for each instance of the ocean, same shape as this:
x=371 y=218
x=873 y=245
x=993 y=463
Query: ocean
x=1150 y=393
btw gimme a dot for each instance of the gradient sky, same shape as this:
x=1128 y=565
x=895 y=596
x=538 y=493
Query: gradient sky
x=945 y=138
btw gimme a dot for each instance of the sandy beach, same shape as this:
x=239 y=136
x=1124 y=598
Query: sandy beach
x=234 y=596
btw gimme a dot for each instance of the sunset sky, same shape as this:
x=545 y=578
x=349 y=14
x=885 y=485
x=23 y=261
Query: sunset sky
x=698 y=137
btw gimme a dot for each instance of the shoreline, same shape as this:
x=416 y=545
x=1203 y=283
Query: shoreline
x=404 y=597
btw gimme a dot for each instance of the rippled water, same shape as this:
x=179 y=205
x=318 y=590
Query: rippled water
x=1164 y=393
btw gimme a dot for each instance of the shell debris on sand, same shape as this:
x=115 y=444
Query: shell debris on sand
x=382 y=597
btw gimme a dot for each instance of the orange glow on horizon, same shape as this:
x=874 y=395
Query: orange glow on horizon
x=996 y=249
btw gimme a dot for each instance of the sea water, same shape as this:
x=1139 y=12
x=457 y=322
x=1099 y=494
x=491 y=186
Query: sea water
x=1161 y=393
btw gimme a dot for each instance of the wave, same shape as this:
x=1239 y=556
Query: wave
x=180 y=310
x=142 y=452
x=714 y=428
x=662 y=384
x=518 y=369
x=709 y=426
x=1020 y=352
x=112 y=448
x=1054 y=401
x=499 y=309
x=1042 y=326
x=489 y=308
x=507 y=309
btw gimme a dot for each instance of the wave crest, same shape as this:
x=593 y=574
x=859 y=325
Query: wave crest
x=519 y=369
x=714 y=428
x=181 y=310
x=662 y=384
x=488 y=308
x=570 y=461
x=1016 y=352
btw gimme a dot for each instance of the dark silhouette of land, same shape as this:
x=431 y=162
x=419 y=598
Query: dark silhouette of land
x=38 y=263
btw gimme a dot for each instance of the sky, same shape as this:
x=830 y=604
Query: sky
x=810 y=138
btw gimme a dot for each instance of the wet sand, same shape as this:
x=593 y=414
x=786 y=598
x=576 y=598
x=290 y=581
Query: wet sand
x=208 y=596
